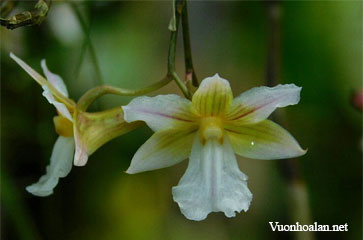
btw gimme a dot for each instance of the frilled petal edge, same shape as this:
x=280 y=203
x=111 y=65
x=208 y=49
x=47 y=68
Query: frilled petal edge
x=212 y=182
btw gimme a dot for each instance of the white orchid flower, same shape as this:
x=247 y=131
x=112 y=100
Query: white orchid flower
x=55 y=91
x=210 y=129
x=80 y=133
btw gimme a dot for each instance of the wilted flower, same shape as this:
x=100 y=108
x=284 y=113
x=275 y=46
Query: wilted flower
x=80 y=133
x=210 y=130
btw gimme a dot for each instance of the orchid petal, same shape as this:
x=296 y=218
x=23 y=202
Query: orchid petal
x=212 y=182
x=263 y=140
x=160 y=112
x=60 y=166
x=61 y=107
x=54 y=79
x=163 y=149
x=213 y=97
x=258 y=103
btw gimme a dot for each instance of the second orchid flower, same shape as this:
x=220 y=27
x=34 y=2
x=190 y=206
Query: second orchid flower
x=80 y=133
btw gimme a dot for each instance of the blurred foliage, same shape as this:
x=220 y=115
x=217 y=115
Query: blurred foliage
x=321 y=51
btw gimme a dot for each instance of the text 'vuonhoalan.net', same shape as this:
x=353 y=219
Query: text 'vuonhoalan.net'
x=275 y=226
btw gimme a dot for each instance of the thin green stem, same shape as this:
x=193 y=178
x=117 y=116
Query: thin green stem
x=86 y=100
x=172 y=47
x=174 y=35
x=179 y=6
x=99 y=91
x=91 y=48
x=181 y=85
x=190 y=75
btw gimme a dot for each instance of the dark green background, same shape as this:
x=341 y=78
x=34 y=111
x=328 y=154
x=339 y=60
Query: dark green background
x=321 y=44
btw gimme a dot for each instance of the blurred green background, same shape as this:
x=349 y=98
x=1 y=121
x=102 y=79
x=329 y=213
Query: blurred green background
x=321 y=45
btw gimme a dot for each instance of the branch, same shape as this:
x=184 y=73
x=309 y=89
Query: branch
x=179 y=6
x=91 y=95
x=190 y=75
x=32 y=17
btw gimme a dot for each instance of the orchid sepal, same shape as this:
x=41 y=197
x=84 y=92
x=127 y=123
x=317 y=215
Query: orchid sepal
x=70 y=104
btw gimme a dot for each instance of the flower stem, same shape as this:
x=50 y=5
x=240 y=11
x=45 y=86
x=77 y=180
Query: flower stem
x=179 y=7
x=181 y=85
x=94 y=93
x=190 y=75
x=298 y=195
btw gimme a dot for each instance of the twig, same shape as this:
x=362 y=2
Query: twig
x=32 y=17
x=190 y=75
x=95 y=93
x=179 y=6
